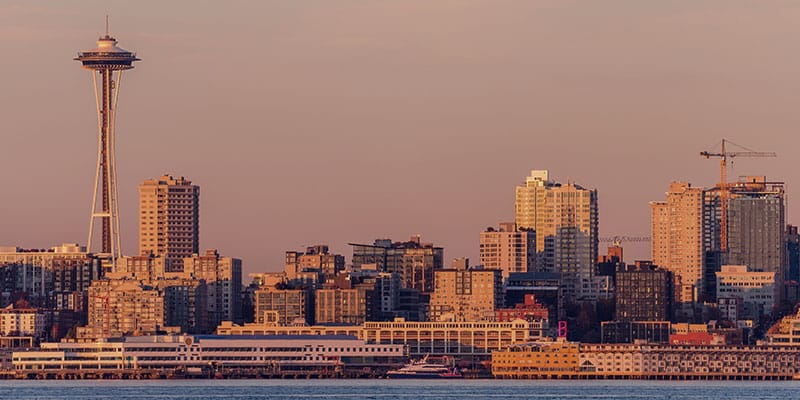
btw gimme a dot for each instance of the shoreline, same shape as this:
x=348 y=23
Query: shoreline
x=141 y=374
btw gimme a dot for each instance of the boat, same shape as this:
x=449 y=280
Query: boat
x=424 y=369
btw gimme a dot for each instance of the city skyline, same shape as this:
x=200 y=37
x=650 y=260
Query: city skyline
x=440 y=162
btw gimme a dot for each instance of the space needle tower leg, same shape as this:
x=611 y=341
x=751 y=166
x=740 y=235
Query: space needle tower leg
x=104 y=61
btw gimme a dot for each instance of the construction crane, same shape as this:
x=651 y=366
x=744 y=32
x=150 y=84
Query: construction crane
x=618 y=240
x=724 y=155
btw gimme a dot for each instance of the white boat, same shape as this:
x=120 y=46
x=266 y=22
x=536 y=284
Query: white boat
x=424 y=369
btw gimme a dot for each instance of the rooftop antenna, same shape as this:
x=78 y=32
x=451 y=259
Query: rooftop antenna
x=107 y=30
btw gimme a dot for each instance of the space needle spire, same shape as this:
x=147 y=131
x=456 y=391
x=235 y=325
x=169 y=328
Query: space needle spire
x=106 y=62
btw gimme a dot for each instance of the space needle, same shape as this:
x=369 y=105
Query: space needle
x=106 y=61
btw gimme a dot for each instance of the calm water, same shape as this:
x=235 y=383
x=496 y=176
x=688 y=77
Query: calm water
x=385 y=390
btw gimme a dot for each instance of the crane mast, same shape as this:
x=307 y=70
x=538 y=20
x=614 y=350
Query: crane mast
x=723 y=186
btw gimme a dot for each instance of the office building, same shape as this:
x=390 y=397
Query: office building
x=316 y=258
x=223 y=276
x=544 y=286
x=644 y=293
x=757 y=227
x=631 y=331
x=565 y=219
x=343 y=306
x=757 y=290
x=51 y=278
x=508 y=249
x=283 y=306
x=169 y=219
x=119 y=307
x=414 y=261
x=466 y=295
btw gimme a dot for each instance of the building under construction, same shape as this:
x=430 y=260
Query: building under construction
x=755 y=229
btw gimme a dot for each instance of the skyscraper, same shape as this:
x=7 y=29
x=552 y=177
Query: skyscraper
x=106 y=61
x=677 y=239
x=565 y=219
x=169 y=219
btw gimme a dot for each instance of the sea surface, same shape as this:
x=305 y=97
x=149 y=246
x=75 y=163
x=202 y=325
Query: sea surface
x=387 y=389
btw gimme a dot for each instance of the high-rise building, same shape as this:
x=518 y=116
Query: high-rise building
x=169 y=219
x=316 y=258
x=53 y=278
x=644 y=293
x=146 y=267
x=677 y=239
x=106 y=61
x=118 y=307
x=223 y=276
x=146 y=299
x=793 y=253
x=565 y=219
x=466 y=295
x=414 y=261
x=508 y=249
x=756 y=227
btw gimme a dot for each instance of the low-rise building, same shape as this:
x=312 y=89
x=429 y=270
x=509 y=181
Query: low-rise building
x=646 y=361
x=612 y=360
x=466 y=340
x=212 y=351
x=758 y=290
x=631 y=331
x=785 y=332
x=537 y=360
x=730 y=308
x=22 y=322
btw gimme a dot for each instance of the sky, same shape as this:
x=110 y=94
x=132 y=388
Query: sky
x=337 y=121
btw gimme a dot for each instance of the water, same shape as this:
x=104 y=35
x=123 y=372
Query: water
x=400 y=390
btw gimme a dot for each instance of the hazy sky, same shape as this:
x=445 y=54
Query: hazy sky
x=344 y=121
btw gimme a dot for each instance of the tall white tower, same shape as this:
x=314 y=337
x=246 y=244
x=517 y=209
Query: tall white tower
x=106 y=61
